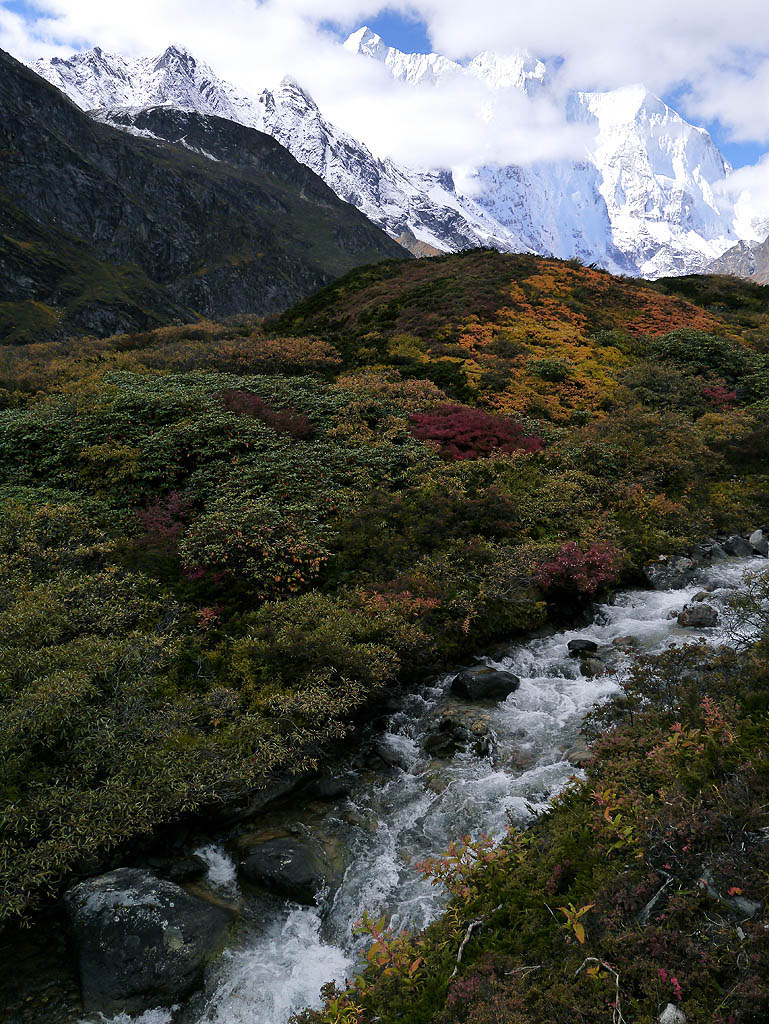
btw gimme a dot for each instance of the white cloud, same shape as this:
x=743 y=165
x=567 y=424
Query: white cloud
x=748 y=189
x=715 y=55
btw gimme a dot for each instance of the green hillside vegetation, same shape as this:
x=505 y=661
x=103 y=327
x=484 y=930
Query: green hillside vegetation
x=221 y=543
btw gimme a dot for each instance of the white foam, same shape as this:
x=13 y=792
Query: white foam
x=221 y=873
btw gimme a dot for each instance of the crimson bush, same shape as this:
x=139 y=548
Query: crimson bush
x=585 y=571
x=465 y=433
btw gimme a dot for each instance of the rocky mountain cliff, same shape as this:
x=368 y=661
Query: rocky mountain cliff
x=420 y=209
x=101 y=231
x=643 y=199
x=746 y=259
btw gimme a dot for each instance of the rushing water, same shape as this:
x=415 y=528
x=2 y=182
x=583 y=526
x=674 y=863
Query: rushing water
x=393 y=820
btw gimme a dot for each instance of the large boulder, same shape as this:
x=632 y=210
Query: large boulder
x=699 y=616
x=579 y=648
x=293 y=868
x=670 y=573
x=738 y=546
x=484 y=683
x=759 y=542
x=141 y=941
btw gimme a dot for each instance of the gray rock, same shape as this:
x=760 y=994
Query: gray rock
x=593 y=667
x=579 y=647
x=669 y=574
x=579 y=755
x=756 y=537
x=626 y=641
x=702 y=616
x=681 y=563
x=484 y=683
x=289 y=867
x=738 y=546
x=717 y=553
x=761 y=548
x=703 y=595
x=442 y=745
x=738 y=904
x=141 y=941
x=460 y=729
x=672 y=1014
x=327 y=787
x=392 y=757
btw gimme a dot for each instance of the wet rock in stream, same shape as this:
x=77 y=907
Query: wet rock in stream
x=142 y=941
x=290 y=867
x=484 y=683
x=700 y=616
x=458 y=729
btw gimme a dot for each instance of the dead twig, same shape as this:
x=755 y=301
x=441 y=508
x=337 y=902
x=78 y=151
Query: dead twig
x=645 y=914
x=616 y=1017
x=470 y=929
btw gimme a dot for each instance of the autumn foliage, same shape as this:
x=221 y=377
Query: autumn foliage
x=584 y=570
x=464 y=433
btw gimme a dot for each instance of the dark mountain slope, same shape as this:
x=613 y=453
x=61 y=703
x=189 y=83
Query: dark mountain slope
x=101 y=230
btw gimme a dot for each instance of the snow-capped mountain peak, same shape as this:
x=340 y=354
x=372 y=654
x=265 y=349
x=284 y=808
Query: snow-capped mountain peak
x=367 y=42
x=414 y=68
x=646 y=197
x=520 y=70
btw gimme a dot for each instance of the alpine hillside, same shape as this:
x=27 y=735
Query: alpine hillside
x=644 y=200
x=102 y=232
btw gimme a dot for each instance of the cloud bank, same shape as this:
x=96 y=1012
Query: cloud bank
x=714 y=56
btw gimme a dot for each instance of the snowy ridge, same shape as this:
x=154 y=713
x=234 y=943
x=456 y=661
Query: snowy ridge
x=643 y=200
x=420 y=209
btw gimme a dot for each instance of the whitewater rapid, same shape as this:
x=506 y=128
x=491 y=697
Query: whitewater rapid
x=392 y=820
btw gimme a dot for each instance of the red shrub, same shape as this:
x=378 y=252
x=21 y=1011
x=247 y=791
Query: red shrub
x=284 y=421
x=466 y=433
x=719 y=396
x=164 y=521
x=585 y=571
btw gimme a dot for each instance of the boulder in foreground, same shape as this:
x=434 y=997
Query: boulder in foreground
x=141 y=941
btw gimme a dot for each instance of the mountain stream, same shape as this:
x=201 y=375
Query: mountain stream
x=394 y=818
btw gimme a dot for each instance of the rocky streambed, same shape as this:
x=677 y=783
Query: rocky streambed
x=261 y=916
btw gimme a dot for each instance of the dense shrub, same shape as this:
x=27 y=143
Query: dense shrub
x=584 y=571
x=284 y=421
x=705 y=354
x=464 y=433
x=273 y=551
x=554 y=370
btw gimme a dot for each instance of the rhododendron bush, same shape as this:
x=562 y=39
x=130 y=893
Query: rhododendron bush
x=584 y=570
x=464 y=433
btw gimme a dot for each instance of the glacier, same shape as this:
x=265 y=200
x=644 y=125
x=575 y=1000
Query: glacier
x=646 y=198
